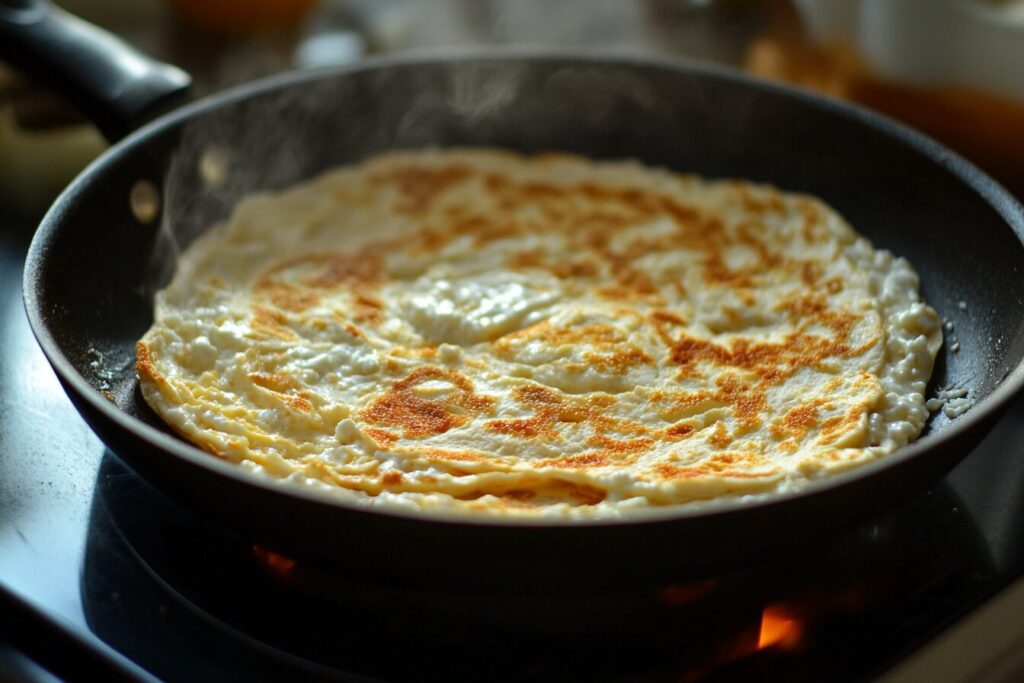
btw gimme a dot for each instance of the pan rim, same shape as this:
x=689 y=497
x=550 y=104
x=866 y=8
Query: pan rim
x=1005 y=205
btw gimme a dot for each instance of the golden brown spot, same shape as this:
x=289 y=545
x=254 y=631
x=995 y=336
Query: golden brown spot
x=325 y=271
x=720 y=437
x=749 y=234
x=535 y=258
x=719 y=466
x=548 y=407
x=419 y=417
x=613 y=451
x=577 y=462
x=686 y=404
x=391 y=478
x=798 y=349
x=477 y=225
x=268 y=316
x=290 y=297
x=718 y=273
x=599 y=335
x=667 y=318
x=771 y=363
x=418 y=187
x=810 y=273
x=443 y=454
x=802 y=418
x=354 y=331
x=520 y=495
x=144 y=365
x=748 y=402
x=835 y=427
x=620 y=446
x=832 y=423
x=679 y=431
x=297 y=284
x=804 y=307
x=432 y=240
x=299 y=403
x=367 y=309
x=598 y=402
x=603 y=423
x=269 y=321
x=618 y=361
x=380 y=436
x=574 y=269
x=631 y=285
x=587 y=211
x=797 y=421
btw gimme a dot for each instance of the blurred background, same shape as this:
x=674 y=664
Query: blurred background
x=951 y=68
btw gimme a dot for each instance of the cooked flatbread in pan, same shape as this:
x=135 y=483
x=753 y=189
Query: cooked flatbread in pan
x=480 y=331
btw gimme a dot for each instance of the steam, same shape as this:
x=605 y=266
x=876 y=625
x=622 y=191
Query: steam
x=280 y=135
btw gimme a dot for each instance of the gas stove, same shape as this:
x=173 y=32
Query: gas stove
x=103 y=578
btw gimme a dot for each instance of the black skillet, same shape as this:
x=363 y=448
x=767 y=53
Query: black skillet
x=95 y=263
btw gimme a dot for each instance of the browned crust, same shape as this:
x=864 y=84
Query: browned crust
x=144 y=365
x=419 y=417
x=726 y=465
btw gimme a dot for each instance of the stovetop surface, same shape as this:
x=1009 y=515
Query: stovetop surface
x=146 y=589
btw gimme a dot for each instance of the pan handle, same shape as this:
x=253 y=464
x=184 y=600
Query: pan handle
x=114 y=85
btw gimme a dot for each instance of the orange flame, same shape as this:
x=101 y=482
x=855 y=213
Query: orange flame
x=278 y=564
x=778 y=628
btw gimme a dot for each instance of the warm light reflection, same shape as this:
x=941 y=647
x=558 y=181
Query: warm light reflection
x=778 y=628
x=278 y=564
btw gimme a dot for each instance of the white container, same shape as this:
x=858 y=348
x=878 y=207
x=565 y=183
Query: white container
x=961 y=43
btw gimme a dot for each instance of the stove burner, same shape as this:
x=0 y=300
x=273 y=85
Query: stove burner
x=810 y=614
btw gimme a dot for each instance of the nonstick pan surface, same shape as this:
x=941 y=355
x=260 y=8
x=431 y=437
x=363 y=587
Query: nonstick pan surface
x=95 y=264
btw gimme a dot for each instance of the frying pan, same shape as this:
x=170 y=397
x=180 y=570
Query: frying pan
x=94 y=264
